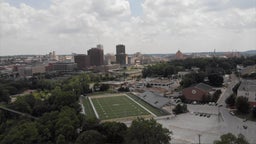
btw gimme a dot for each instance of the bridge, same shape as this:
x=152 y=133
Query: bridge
x=19 y=113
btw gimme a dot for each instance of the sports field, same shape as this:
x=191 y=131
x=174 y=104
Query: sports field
x=118 y=106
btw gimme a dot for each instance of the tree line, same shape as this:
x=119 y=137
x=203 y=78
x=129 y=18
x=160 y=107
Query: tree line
x=212 y=68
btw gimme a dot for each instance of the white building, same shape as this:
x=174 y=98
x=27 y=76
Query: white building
x=159 y=83
x=247 y=89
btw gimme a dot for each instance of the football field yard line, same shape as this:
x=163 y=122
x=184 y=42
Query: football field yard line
x=141 y=106
x=94 y=108
x=117 y=107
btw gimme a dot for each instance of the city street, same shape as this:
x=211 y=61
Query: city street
x=227 y=91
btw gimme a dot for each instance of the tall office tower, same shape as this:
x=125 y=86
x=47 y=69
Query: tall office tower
x=120 y=55
x=52 y=55
x=82 y=60
x=96 y=56
x=100 y=46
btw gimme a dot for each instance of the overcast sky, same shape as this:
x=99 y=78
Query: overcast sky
x=146 y=26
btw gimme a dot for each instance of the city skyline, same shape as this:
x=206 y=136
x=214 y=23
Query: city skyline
x=146 y=26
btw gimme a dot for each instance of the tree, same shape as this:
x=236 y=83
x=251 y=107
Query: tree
x=123 y=89
x=242 y=105
x=96 y=87
x=192 y=78
x=206 y=98
x=229 y=138
x=235 y=88
x=40 y=108
x=187 y=82
x=144 y=131
x=215 y=80
x=60 y=139
x=4 y=95
x=90 y=123
x=90 y=137
x=64 y=127
x=180 y=108
x=254 y=112
x=216 y=95
x=21 y=105
x=25 y=132
x=104 y=87
x=231 y=100
x=60 y=98
x=46 y=126
x=114 y=131
x=67 y=123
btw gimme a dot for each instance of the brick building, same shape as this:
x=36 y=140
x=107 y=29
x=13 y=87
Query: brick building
x=197 y=92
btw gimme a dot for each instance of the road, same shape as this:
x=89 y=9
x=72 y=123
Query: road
x=232 y=123
x=228 y=90
x=236 y=125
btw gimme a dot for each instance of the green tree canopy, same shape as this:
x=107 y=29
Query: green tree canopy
x=61 y=139
x=254 y=112
x=192 y=78
x=114 y=131
x=4 y=95
x=22 y=133
x=231 y=100
x=90 y=137
x=242 y=105
x=180 y=108
x=215 y=80
x=144 y=131
x=229 y=138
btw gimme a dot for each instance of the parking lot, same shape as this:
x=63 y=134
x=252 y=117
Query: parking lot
x=203 y=108
x=187 y=127
x=203 y=120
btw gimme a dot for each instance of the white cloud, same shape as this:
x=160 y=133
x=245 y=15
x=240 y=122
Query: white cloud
x=164 y=27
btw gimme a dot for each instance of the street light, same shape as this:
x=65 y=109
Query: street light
x=219 y=112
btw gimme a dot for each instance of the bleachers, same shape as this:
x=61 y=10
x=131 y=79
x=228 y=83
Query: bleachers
x=154 y=99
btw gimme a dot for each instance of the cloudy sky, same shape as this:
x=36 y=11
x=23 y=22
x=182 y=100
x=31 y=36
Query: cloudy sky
x=146 y=26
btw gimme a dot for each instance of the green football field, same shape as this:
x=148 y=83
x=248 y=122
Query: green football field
x=117 y=107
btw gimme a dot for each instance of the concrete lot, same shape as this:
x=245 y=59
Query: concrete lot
x=186 y=127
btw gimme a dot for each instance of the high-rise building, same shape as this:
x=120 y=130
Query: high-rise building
x=96 y=56
x=120 y=55
x=82 y=60
x=52 y=55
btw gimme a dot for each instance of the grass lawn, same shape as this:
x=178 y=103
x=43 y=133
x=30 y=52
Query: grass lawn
x=117 y=107
x=88 y=108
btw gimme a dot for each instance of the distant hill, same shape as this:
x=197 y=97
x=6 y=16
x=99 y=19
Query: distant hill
x=250 y=52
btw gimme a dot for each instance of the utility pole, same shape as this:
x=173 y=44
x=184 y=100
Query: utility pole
x=199 y=136
x=219 y=112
